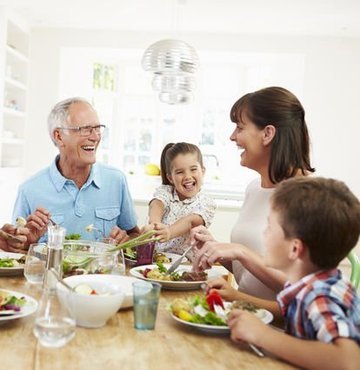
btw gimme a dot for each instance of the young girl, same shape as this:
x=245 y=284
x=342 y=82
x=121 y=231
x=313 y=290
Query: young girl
x=178 y=204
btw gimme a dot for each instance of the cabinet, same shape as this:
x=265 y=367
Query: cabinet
x=14 y=70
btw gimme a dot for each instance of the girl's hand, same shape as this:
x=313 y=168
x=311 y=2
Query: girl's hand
x=226 y=291
x=147 y=228
x=212 y=252
x=245 y=327
x=163 y=232
x=200 y=235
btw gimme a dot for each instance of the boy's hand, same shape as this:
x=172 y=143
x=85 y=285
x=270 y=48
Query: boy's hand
x=163 y=232
x=226 y=291
x=245 y=326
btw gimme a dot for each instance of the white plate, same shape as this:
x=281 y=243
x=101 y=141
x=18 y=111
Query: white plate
x=29 y=308
x=10 y=271
x=213 y=273
x=265 y=316
x=124 y=281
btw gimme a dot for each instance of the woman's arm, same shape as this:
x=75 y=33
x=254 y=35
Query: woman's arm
x=213 y=251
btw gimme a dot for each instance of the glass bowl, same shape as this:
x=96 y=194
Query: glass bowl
x=88 y=257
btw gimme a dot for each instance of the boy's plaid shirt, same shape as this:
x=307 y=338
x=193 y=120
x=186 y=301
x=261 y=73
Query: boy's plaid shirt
x=321 y=306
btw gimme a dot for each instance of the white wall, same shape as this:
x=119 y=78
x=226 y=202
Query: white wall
x=332 y=77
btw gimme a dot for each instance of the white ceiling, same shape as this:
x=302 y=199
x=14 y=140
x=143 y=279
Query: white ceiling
x=303 y=17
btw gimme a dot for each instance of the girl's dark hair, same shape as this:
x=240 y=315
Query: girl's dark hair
x=171 y=151
x=290 y=147
x=323 y=213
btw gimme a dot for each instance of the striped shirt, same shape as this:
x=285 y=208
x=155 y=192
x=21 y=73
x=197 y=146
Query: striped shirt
x=321 y=306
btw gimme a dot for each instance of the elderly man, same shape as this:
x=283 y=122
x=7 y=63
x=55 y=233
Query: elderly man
x=75 y=191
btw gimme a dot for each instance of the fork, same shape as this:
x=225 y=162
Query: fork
x=177 y=263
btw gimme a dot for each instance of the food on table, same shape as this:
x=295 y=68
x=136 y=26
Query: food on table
x=12 y=262
x=161 y=257
x=73 y=237
x=10 y=302
x=246 y=306
x=160 y=273
x=196 y=309
x=85 y=289
x=20 y=221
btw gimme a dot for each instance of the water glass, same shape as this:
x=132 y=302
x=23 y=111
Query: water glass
x=55 y=321
x=35 y=263
x=146 y=300
x=119 y=268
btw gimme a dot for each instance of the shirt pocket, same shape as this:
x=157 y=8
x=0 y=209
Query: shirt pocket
x=105 y=218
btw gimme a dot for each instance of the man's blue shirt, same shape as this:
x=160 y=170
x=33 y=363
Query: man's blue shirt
x=104 y=200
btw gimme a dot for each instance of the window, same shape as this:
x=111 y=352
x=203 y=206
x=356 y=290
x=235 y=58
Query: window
x=139 y=125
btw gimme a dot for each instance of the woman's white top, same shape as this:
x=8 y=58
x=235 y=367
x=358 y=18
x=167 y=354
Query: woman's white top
x=249 y=231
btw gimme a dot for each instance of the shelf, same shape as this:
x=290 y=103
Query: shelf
x=15 y=83
x=17 y=54
x=13 y=112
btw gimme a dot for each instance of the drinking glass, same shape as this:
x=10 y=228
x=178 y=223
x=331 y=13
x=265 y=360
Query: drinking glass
x=119 y=268
x=146 y=300
x=55 y=320
x=35 y=263
x=144 y=254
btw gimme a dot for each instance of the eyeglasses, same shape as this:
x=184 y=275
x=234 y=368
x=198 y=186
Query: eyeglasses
x=85 y=130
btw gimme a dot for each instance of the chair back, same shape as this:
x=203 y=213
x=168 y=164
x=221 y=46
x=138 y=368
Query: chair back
x=355 y=269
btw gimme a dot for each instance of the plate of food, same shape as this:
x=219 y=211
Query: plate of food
x=11 y=263
x=182 y=279
x=198 y=312
x=14 y=305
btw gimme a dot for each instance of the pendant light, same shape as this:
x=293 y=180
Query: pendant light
x=174 y=63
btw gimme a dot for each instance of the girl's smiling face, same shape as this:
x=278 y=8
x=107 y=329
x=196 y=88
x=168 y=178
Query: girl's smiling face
x=186 y=175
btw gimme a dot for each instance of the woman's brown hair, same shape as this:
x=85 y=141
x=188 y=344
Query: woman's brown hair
x=291 y=144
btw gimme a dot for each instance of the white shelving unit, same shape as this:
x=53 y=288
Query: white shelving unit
x=14 y=76
x=14 y=55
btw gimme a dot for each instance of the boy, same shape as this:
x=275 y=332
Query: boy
x=313 y=224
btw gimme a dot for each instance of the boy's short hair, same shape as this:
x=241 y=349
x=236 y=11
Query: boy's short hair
x=323 y=213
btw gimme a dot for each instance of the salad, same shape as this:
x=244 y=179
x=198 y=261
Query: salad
x=10 y=302
x=201 y=309
x=160 y=273
x=12 y=262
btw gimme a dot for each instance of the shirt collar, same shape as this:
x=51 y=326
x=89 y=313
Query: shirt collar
x=290 y=291
x=175 y=197
x=59 y=180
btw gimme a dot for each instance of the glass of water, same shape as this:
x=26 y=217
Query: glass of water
x=35 y=263
x=55 y=322
x=146 y=300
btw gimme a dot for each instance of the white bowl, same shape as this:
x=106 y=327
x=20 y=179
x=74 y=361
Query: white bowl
x=93 y=311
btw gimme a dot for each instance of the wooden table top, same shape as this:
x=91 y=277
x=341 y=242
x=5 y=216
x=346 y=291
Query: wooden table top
x=119 y=346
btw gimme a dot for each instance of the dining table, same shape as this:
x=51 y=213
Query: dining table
x=118 y=345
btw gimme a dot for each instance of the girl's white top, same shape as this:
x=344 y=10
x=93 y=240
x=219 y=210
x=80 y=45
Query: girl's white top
x=175 y=209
